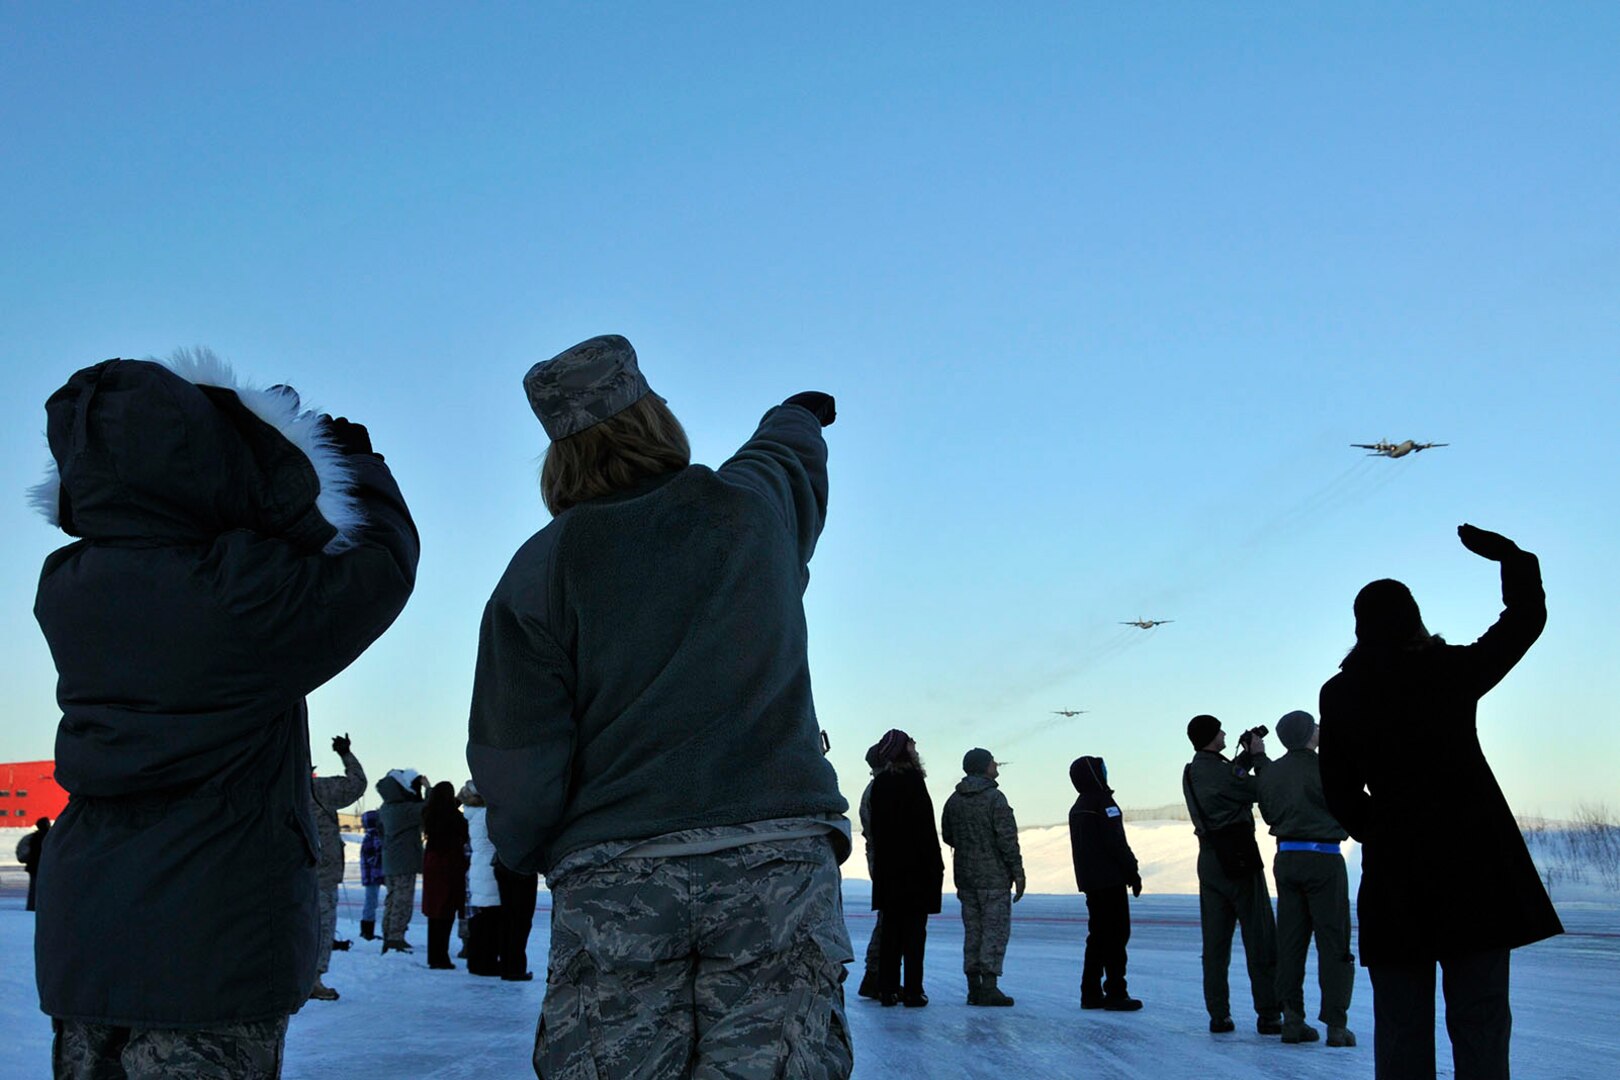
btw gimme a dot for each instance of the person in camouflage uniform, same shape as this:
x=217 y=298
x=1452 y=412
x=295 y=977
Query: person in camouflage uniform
x=978 y=824
x=643 y=732
x=1313 y=888
x=331 y=794
x=401 y=819
x=1221 y=794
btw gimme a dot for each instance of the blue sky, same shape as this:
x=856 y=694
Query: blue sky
x=1103 y=294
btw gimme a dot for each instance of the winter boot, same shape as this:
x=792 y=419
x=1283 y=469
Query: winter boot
x=1121 y=1003
x=918 y=1000
x=1220 y=1025
x=975 y=988
x=1268 y=1025
x=341 y=945
x=322 y=992
x=1340 y=1036
x=1300 y=1032
x=990 y=993
x=1092 y=998
x=869 y=985
x=368 y=929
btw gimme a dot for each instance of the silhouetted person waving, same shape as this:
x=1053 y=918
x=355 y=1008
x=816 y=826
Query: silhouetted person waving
x=1446 y=876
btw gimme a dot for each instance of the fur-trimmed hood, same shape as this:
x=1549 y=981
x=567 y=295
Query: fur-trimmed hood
x=184 y=451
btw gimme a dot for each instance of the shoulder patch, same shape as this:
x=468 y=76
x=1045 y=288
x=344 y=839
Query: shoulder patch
x=1113 y=811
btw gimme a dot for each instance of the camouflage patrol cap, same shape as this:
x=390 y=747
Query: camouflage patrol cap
x=582 y=386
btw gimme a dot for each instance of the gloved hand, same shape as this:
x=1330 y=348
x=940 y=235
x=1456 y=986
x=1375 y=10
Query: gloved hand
x=347 y=436
x=1486 y=544
x=340 y=744
x=1256 y=746
x=1136 y=885
x=1018 y=888
x=820 y=404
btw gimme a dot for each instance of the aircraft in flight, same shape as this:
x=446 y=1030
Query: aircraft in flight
x=1069 y=712
x=1383 y=448
x=1146 y=624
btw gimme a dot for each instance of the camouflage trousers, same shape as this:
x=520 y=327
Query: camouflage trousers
x=725 y=965
x=397 y=905
x=82 y=1051
x=986 y=926
x=323 y=946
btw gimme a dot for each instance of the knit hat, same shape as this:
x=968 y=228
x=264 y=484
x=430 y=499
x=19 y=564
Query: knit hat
x=873 y=760
x=1295 y=729
x=976 y=762
x=1202 y=729
x=892 y=747
x=584 y=385
x=1387 y=615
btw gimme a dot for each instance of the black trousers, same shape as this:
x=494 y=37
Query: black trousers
x=905 y=937
x=484 y=927
x=518 y=894
x=31 y=876
x=1108 y=928
x=439 y=941
x=1477 y=1017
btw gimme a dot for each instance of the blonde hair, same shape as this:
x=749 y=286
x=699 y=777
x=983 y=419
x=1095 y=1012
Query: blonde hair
x=634 y=444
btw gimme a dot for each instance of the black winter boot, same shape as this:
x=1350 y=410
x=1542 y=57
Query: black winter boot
x=990 y=993
x=341 y=944
x=975 y=988
x=368 y=929
x=869 y=985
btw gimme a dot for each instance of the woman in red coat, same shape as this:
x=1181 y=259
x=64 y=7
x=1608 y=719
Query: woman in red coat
x=444 y=869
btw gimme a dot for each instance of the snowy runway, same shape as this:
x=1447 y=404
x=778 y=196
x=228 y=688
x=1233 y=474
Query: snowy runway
x=396 y=1018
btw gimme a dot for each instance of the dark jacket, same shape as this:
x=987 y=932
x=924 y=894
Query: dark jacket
x=31 y=847
x=1102 y=857
x=201 y=605
x=331 y=794
x=1444 y=867
x=978 y=824
x=642 y=664
x=444 y=866
x=908 y=874
x=401 y=816
x=371 y=849
x=1220 y=792
x=1292 y=802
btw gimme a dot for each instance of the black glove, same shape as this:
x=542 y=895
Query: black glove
x=1486 y=544
x=821 y=405
x=347 y=436
x=340 y=744
x=1136 y=886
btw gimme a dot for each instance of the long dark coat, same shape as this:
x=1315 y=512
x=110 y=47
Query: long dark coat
x=1444 y=868
x=198 y=608
x=444 y=867
x=908 y=872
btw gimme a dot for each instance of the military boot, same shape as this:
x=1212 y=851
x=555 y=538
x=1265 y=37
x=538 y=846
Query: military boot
x=397 y=945
x=1299 y=1032
x=990 y=993
x=1340 y=1036
x=975 y=988
x=322 y=992
x=869 y=985
x=368 y=929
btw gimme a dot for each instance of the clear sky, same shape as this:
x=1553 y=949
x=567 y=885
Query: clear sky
x=1104 y=295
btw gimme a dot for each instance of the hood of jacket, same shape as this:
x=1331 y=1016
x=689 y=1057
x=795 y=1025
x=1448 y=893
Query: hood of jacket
x=396 y=786
x=974 y=785
x=183 y=453
x=371 y=821
x=1089 y=775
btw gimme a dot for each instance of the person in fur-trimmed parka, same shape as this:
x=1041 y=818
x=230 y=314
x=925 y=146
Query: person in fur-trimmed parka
x=234 y=552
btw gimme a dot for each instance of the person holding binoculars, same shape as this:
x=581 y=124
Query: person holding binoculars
x=1232 y=891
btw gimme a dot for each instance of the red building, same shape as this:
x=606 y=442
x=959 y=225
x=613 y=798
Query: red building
x=28 y=792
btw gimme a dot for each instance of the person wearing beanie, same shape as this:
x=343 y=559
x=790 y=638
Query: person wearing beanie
x=979 y=826
x=643 y=731
x=1232 y=892
x=331 y=794
x=874 y=945
x=1313 y=889
x=908 y=874
x=1446 y=876
x=1104 y=868
x=232 y=552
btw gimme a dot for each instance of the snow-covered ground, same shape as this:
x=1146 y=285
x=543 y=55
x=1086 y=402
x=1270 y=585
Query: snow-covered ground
x=397 y=1018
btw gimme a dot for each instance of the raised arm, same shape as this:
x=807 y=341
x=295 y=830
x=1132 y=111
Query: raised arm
x=785 y=462
x=1524 y=609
